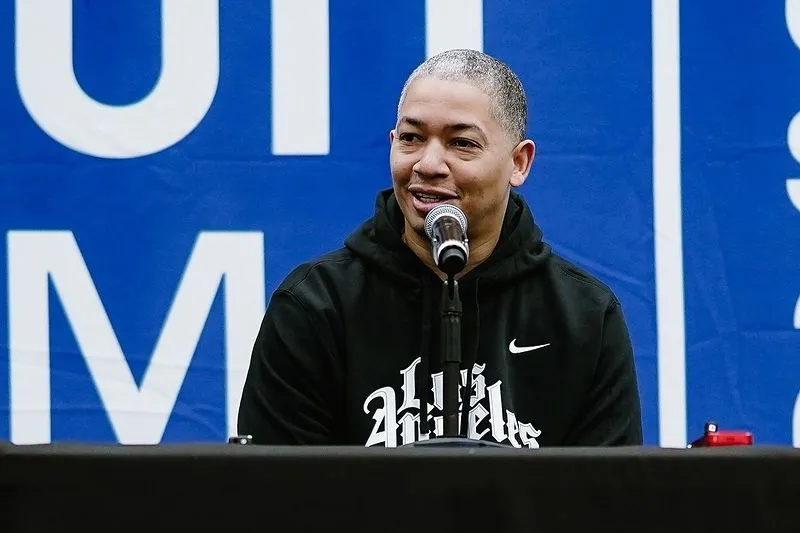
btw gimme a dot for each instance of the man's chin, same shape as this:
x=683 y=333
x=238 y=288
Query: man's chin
x=416 y=225
x=412 y=218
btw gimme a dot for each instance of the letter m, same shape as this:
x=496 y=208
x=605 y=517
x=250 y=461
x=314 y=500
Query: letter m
x=138 y=415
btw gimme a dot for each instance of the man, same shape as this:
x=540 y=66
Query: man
x=348 y=350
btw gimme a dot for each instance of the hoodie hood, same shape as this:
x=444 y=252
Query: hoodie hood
x=519 y=251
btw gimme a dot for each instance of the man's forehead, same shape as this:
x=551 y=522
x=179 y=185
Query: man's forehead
x=452 y=92
x=445 y=103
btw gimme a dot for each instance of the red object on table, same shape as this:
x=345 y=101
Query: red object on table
x=714 y=437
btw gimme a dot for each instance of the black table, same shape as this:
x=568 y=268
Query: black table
x=249 y=488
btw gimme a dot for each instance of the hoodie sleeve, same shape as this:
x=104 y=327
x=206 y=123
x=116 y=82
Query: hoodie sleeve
x=289 y=395
x=611 y=414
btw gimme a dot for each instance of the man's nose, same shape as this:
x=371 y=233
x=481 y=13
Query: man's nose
x=432 y=162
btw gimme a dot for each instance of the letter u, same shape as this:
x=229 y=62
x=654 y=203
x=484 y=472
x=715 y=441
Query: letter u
x=792 y=13
x=180 y=99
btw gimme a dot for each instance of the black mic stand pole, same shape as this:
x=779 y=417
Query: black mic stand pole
x=451 y=375
x=451 y=356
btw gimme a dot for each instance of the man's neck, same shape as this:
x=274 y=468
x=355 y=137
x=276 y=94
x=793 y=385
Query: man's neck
x=479 y=249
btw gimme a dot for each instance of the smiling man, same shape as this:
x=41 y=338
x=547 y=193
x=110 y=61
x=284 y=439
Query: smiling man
x=348 y=348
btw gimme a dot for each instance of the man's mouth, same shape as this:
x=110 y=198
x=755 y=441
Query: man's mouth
x=429 y=198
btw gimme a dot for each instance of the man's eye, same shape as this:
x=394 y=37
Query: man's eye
x=464 y=143
x=408 y=137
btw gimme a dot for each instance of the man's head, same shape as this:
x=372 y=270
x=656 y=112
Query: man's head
x=460 y=139
x=509 y=107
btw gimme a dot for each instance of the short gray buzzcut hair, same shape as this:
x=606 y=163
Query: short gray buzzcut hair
x=492 y=76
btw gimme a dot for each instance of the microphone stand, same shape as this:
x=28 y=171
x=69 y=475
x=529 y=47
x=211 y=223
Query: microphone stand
x=450 y=310
x=451 y=355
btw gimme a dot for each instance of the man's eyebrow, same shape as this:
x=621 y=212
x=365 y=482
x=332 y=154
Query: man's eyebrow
x=459 y=126
x=411 y=121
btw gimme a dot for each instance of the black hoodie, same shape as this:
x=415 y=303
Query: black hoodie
x=348 y=350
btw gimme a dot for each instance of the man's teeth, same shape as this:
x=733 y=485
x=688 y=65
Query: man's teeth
x=428 y=198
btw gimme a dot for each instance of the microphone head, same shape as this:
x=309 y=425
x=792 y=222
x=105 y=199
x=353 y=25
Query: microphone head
x=443 y=210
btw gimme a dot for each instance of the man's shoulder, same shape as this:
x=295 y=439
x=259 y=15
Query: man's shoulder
x=330 y=267
x=580 y=282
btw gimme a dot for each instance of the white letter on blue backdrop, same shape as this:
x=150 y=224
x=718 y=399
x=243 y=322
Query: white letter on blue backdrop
x=793 y=185
x=300 y=77
x=453 y=24
x=138 y=415
x=176 y=105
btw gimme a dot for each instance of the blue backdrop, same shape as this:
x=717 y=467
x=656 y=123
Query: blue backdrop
x=151 y=204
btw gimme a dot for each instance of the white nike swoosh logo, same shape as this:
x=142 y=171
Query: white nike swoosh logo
x=513 y=348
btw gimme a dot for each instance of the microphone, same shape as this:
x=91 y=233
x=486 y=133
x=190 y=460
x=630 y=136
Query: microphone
x=446 y=227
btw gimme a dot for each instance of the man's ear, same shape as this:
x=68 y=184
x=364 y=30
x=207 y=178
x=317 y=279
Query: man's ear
x=522 y=157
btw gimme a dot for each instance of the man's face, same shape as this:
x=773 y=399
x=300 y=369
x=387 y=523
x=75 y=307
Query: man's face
x=447 y=148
